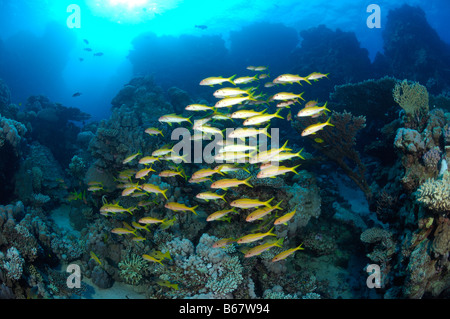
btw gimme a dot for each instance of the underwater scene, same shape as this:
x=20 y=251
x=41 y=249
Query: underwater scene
x=193 y=149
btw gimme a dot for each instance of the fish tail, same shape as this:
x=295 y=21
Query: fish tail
x=325 y=107
x=277 y=115
x=244 y=168
x=167 y=255
x=270 y=233
x=230 y=79
x=193 y=209
x=189 y=120
x=267 y=203
x=293 y=169
x=300 y=247
x=300 y=95
x=164 y=193
x=299 y=154
x=328 y=122
x=277 y=206
x=266 y=129
x=283 y=148
x=279 y=242
x=223 y=197
x=246 y=182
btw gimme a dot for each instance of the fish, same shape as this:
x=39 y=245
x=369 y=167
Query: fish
x=151 y=188
x=256 y=68
x=141 y=174
x=243 y=132
x=287 y=96
x=86 y=41
x=151 y=220
x=257 y=250
x=146 y=160
x=176 y=158
x=213 y=80
x=201 y=26
x=154 y=131
x=81 y=59
x=285 y=218
x=138 y=238
x=223 y=242
x=315 y=76
x=174 y=118
x=87 y=49
x=199 y=107
x=230 y=101
x=254 y=237
x=207 y=196
x=130 y=189
x=311 y=103
x=76 y=94
x=95 y=188
x=312 y=129
x=226 y=168
x=246 y=203
x=160 y=255
x=98 y=54
x=230 y=182
x=137 y=226
x=166 y=149
x=243 y=114
x=232 y=156
x=231 y=92
x=94 y=256
x=287 y=253
x=210 y=130
x=167 y=224
x=275 y=170
x=266 y=156
x=263 y=118
x=290 y=78
x=318 y=140
x=246 y=79
x=286 y=156
x=206 y=172
x=219 y=214
x=312 y=110
x=237 y=148
x=152 y=259
x=115 y=208
x=180 y=207
x=166 y=283
x=286 y=103
x=262 y=212
x=171 y=173
x=131 y=157
x=222 y=117
x=122 y=231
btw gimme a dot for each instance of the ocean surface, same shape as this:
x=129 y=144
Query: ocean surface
x=250 y=150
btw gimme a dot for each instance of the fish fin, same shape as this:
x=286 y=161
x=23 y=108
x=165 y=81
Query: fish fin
x=246 y=182
x=293 y=169
x=277 y=115
x=193 y=209
x=267 y=203
x=328 y=122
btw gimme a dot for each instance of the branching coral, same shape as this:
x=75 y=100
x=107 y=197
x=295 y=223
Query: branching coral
x=413 y=99
x=339 y=143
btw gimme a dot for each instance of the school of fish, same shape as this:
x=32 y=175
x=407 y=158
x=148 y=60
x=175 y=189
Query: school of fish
x=237 y=156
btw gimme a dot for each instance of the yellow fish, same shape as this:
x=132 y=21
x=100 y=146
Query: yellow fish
x=261 y=212
x=230 y=182
x=287 y=96
x=199 y=107
x=153 y=131
x=130 y=189
x=148 y=160
x=166 y=283
x=245 y=79
x=243 y=132
x=150 y=188
x=131 y=157
x=223 y=242
x=174 y=118
x=312 y=129
x=230 y=92
x=151 y=220
x=141 y=174
x=206 y=172
x=287 y=253
x=213 y=80
x=122 y=231
x=171 y=173
x=266 y=156
x=94 y=256
x=263 y=118
x=152 y=259
x=219 y=214
x=273 y=171
x=162 y=151
x=243 y=114
x=285 y=218
x=230 y=101
x=254 y=237
x=263 y=247
x=207 y=196
x=246 y=203
x=316 y=76
x=318 y=140
x=312 y=110
x=137 y=226
x=167 y=224
x=290 y=78
x=180 y=207
x=161 y=256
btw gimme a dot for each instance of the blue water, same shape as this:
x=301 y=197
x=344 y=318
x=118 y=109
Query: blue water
x=80 y=80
